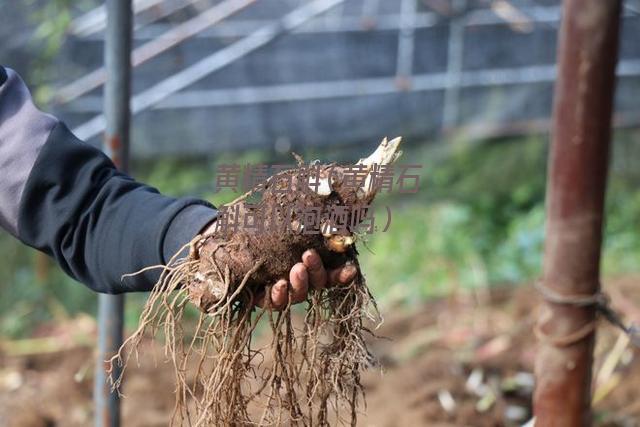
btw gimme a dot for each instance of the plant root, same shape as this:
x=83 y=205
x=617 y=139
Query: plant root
x=309 y=372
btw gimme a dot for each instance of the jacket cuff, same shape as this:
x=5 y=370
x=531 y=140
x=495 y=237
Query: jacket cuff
x=184 y=226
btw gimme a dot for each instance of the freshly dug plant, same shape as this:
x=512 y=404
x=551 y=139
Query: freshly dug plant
x=309 y=373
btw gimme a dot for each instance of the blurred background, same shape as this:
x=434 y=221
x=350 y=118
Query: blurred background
x=467 y=83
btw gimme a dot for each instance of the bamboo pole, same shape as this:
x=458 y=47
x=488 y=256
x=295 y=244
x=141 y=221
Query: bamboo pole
x=584 y=94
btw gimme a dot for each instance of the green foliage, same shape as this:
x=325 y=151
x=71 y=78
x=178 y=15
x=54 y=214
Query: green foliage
x=479 y=219
x=426 y=252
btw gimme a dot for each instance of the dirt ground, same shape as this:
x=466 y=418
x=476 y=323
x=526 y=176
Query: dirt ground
x=466 y=360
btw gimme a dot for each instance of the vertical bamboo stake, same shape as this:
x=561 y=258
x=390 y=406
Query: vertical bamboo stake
x=584 y=94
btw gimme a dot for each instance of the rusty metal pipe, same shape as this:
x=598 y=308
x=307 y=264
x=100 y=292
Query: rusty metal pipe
x=583 y=103
x=117 y=94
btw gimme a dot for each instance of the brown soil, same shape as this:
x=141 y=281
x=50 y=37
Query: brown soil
x=452 y=353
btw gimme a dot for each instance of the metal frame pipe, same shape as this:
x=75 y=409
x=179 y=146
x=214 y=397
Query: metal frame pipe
x=117 y=93
x=155 y=47
x=455 y=58
x=290 y=92
x=406 y=43
x=214 y=62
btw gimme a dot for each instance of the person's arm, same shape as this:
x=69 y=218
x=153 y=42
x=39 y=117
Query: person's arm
x=67 y=199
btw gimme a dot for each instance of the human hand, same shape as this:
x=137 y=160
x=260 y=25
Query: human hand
x=309 y=272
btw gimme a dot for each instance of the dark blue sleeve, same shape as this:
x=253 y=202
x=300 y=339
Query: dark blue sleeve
x=99 y=223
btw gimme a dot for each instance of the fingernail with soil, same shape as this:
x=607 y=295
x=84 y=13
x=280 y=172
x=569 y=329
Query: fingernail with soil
x=311 y=259
x=279 y=293
x=303 y=276
x=348 y=273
